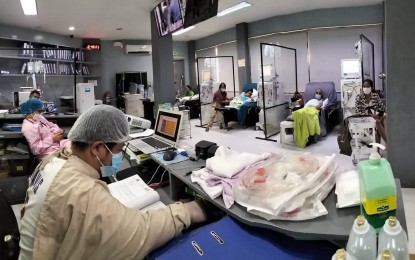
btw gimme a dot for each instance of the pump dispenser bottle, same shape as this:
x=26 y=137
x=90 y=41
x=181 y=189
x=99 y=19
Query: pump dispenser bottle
x=377 y=188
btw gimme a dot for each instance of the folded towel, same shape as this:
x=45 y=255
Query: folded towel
x=226 y=163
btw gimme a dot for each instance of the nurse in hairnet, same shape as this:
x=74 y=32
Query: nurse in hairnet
x=43 y=136
x=70 y=214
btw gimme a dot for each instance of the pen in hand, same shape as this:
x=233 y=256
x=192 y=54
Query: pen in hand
x=188 y=173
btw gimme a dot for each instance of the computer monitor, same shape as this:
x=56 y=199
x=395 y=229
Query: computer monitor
x=197 y=11
x=168 y=124
x=351 y=68
x=168 y=15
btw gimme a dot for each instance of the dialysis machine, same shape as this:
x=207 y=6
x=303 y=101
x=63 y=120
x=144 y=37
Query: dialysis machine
x=85 y=96
x=351 y=85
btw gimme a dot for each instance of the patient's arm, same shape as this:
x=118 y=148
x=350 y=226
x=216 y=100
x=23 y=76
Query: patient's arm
x=320 y=104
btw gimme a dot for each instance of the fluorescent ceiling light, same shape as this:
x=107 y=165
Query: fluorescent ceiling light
x=183 y=31
x=71 y=28
x=234 y=8
x=29 y=7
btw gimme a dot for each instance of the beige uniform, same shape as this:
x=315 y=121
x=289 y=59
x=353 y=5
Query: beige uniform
x=216 y=114
x=79 y=219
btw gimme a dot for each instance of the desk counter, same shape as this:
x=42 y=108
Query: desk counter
x=334 y=226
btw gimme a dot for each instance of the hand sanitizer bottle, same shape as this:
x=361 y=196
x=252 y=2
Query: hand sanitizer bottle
x=377 y=188
x=362 y=240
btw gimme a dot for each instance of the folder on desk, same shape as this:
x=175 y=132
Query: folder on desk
x=228 y=239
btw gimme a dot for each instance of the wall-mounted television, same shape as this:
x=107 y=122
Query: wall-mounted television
x=168 y=15
x=199 y=10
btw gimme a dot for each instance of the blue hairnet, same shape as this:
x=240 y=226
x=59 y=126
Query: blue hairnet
x=31 y=106
x=100 y=123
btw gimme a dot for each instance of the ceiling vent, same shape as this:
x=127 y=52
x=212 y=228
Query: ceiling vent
x=137 y=49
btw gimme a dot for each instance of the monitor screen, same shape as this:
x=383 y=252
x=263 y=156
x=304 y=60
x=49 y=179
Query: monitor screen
x=168 y=15
x=351 y=68
x=199 y=10
x=168 y=124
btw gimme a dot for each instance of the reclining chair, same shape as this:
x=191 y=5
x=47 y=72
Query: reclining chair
x=329 y=115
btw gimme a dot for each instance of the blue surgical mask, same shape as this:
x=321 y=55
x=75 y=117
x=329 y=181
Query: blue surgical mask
x=317 y=96
x=113 y=168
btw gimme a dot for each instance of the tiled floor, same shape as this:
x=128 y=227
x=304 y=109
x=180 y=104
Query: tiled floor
x=245 y=140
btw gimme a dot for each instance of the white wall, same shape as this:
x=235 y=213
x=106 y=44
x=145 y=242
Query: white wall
x=326 y=46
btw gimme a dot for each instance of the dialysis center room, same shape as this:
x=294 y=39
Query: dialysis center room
x=215 y=129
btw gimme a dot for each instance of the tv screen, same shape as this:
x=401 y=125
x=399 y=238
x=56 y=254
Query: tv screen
x=168 y=15
x=199 y=10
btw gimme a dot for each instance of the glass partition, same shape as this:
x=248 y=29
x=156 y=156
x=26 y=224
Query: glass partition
x=368 y=59
x=211 y=72
x=278 y=76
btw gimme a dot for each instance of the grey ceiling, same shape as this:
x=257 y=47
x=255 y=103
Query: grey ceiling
x=100 y=18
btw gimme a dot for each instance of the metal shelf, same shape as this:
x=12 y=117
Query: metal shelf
x=7 y=157
x=48 y=75
x=46 y=59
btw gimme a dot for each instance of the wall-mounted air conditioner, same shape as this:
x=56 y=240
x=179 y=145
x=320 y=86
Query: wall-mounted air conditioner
x=137 y=49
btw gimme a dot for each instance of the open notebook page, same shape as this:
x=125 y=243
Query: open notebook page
x=132 y=192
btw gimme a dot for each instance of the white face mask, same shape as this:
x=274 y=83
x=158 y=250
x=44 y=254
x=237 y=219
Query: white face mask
x=223 y=89
x=367 y=91
x=38 y=117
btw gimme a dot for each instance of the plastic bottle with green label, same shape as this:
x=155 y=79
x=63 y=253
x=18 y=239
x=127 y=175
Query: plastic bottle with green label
x=377 y=188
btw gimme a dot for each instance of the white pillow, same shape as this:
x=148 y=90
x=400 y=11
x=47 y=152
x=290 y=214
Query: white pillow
x=195 y=97
x=312 y=103
x=254 y=93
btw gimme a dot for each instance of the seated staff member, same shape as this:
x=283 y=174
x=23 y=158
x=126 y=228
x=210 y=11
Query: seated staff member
x=370 y=104
x=42 y=136
x=189 y=92
x=34 y=94
x=70 y=214
x=220 y=99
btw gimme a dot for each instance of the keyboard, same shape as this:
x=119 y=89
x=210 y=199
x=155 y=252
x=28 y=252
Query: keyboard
x=155 y=143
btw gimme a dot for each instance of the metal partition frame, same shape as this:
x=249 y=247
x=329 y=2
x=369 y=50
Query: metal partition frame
x=281 y=105
x=368 y=59
x=206 y=105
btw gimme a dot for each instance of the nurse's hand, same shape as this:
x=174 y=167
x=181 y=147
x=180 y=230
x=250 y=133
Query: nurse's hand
x=57 y=137
x=197 y=215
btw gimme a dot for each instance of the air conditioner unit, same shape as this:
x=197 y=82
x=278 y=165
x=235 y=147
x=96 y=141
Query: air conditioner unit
x=137 y=49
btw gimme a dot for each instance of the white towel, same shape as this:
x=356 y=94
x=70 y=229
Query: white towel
x=226 y=163
x=347 y=189
x=200 y=177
